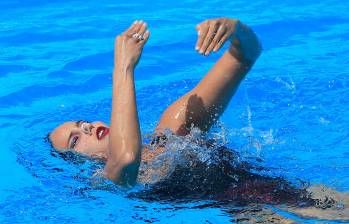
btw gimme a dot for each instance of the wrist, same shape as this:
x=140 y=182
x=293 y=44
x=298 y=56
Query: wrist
x=123 y=67
x=245 y=45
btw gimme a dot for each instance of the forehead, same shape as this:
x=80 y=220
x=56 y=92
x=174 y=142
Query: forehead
x=60 y=135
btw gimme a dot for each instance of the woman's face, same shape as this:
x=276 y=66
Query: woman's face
x=91 y=139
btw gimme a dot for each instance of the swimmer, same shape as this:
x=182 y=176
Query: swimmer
x=120 y=145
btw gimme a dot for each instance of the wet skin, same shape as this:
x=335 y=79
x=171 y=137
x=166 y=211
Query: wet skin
x=81 y=137
x=200 y=107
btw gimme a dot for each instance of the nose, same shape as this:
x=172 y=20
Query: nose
x=87 y=128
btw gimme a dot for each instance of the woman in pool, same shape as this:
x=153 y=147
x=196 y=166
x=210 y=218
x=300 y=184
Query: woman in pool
x=120 y=144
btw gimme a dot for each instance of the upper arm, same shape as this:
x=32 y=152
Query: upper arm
x=123 y=170
x=174 y=117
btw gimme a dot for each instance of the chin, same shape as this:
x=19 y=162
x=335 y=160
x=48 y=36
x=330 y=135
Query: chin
x=102 y=158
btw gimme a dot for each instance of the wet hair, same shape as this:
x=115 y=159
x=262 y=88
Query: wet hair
x=48 y=140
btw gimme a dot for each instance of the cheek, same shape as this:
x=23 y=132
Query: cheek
x=90 y=146
x=85 y=145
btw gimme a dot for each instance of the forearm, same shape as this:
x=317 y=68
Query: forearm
x=221 y=82
x=219 y=85
x=125 y=138
x=208 y=100
x=205 y=103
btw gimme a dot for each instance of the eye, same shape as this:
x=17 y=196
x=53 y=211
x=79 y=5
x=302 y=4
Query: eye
x=74 y=141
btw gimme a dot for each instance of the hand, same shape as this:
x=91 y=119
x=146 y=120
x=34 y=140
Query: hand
x=213 y=33
x=129 y=44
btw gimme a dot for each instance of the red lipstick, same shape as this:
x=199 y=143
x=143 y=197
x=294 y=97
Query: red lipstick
x=101 y=132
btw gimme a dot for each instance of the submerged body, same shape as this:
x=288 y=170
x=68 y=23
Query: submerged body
x=206 y=170
x=197 y=169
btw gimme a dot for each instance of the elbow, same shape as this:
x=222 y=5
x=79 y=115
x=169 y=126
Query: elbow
x=124 y=170
x=110 y=174
x=129 y=158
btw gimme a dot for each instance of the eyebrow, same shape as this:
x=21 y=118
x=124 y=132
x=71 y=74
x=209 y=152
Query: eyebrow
x=77 y=124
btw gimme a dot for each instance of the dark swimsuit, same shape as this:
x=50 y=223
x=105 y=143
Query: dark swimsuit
x=227 y=179
x=159 y=141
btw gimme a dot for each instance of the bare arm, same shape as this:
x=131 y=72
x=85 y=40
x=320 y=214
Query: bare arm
x=125 y=137
x=207 y=101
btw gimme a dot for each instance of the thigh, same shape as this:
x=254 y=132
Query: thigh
x=330 y=204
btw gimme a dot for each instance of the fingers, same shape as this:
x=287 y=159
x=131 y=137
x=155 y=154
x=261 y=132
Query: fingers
x=202 y=32
x=132 y=28
x=146 y=36
x=138 y=31
x=136 y=27
x=139 y=25
x=142 y=28
x=214 y=33
x=209 y=37
x=221 y=42
x=220 y=32
x=143 y=33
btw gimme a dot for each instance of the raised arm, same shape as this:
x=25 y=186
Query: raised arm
x=207 y=101
x=125 y=137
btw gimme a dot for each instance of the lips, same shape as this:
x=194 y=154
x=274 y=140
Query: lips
x=101 y=132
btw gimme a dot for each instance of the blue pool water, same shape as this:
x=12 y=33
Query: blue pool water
x=292 y=111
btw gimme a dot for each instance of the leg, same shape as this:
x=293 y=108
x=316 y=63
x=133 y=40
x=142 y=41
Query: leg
x=202 y=106
x=330 y=205
x=258 y=214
